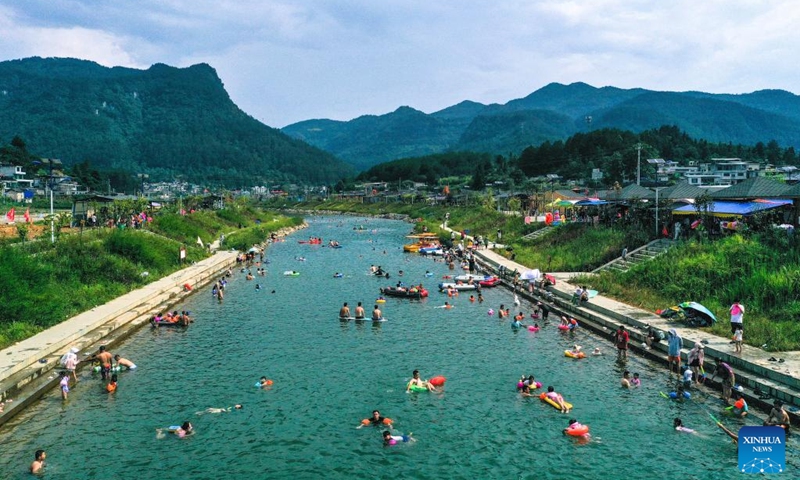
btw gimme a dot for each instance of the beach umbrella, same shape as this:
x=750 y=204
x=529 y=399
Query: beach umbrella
x=531 y=275
x=697 y=309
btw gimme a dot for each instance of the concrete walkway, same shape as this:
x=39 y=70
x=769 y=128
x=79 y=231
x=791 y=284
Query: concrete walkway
x=29 y=363
x=753 y=369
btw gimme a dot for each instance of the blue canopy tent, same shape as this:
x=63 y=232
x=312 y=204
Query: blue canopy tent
x=590 y=202
x=723 y=209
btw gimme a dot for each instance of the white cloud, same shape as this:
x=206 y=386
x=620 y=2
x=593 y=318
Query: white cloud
x=285 y=61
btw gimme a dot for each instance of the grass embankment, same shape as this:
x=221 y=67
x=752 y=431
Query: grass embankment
x=760 y=270
x=44 y=284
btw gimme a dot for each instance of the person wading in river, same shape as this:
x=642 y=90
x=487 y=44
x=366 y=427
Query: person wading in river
x=105 y=358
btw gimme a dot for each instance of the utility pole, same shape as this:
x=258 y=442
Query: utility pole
x=639 y=163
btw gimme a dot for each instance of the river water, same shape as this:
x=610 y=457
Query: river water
x=329 y=375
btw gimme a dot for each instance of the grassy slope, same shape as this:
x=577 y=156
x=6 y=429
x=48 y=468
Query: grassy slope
x=43 y=285
x=762 y=271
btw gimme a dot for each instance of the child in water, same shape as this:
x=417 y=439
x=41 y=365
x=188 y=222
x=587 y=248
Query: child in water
x=389 y=439
x=112 y=385
x=635 y=382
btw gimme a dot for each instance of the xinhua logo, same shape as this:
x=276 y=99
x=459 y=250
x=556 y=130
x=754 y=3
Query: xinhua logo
x=762 y=450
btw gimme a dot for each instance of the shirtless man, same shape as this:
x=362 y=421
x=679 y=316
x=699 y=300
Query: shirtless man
x=38 y=463
x=416 y=381
x=344 y=312
x=778 y=415
x=105 y=359
x=376 y=313
x=360 y=313
x=124 y=362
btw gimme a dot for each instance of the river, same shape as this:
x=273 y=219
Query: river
x=329 y=375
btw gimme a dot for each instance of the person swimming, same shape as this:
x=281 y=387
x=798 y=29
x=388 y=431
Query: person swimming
x=238 y=406
x=678 y=424
x=389 y=439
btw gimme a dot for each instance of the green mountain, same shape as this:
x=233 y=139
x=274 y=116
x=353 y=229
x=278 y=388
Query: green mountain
x=556 y=112
x=164 y=121
x=370 y=139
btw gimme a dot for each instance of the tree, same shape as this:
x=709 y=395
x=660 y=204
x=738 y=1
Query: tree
x=478 y=178
x=18 y=142
x=22 y=231
x=487 y=201
x=514 y=204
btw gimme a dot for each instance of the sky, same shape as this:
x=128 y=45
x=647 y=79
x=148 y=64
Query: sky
x=283 y=61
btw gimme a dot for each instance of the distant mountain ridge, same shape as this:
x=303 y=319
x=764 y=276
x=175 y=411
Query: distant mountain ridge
x=556 y=112
x=164 y=121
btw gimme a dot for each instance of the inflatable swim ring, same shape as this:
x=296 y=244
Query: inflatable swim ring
x=674 y=395
x=418 y=388
x=571 y=354
x=577 y=431
x=269 y=384
x=291 y=273
x=532 y=328
x=115 y=368
x=563 y=327
x=536 y=384
x=437 y=381
x=380 y=300
x=543 y=397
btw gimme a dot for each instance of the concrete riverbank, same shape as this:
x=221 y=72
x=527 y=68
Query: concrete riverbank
x=30 y=367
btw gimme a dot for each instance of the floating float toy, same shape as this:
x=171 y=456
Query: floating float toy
x=418 y=388
x=535 y=316
x=490 y=312
x=268 y=384
x=437 y=381
x=571 y=354
x=115 y=368
x=563 y=327
x=291 y=273
x=674 y=395
x=543 y=397
x=380 y=300
x=536 y=384
x=577 y=430
x=533 y=328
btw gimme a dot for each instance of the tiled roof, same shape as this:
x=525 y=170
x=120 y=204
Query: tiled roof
x=758 y=187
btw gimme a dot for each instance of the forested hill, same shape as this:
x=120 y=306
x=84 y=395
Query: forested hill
x=164 y=121
x=556 y=112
